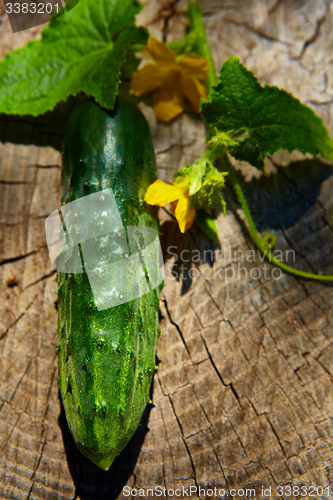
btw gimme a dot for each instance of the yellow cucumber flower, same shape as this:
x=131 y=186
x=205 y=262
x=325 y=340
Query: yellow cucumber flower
x=171 y=80
x=159 y=193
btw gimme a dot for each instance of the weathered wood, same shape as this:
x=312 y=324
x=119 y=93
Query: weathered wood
x=243 y=394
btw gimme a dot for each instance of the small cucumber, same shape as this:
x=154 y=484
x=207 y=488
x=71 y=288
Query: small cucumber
x=106 y=357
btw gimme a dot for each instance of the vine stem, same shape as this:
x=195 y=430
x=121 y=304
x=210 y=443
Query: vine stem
x=196 y=41
x=255 y=234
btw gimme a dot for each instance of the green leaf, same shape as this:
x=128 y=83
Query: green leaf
x=81 y=51
x=261 y=120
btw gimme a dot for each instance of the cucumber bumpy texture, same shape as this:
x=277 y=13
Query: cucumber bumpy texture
x=107 y=357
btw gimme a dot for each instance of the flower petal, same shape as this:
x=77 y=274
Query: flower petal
x=168 y=102
x=193 y=90
x=184 y=213
x=160 y=52
x=159 y=193
x=147 y=79
x=194 y=65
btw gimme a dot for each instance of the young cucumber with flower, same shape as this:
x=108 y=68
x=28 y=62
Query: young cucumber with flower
x=107 y=357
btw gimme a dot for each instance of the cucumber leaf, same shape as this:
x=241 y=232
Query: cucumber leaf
x=253 y=121
x=81 y=51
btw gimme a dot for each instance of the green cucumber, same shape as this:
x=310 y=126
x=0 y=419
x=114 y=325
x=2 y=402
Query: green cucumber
x=106 y=357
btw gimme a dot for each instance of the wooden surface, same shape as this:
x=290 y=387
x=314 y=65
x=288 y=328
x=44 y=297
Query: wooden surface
x=243 y=394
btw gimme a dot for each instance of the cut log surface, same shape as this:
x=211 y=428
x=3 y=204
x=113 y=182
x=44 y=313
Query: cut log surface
x=243 y=392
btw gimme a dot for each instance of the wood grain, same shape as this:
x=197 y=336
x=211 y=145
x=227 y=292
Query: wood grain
x=243 y=393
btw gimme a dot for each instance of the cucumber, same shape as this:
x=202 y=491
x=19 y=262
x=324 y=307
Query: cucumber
x=106 y=357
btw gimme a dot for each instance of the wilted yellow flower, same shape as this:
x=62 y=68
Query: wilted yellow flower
x=171 y=80
x=159 y=193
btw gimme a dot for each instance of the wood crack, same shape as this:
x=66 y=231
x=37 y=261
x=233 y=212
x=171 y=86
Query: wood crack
x=219 y=374
x=44 y=277
x=19 y=257
x=315 y=35
x=177 y=327
x=16 y=320
x=182 y=434
x=256 y=32
x=36 y=468
x=15 y=183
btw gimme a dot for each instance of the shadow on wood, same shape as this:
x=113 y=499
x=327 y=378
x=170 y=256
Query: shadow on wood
x=44 y=130
x=188 y=250
x=280 y=200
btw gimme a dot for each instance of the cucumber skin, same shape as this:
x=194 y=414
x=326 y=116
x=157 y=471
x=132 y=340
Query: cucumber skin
x=106 y=358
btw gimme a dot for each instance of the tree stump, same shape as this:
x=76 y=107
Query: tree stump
x=243 y=393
